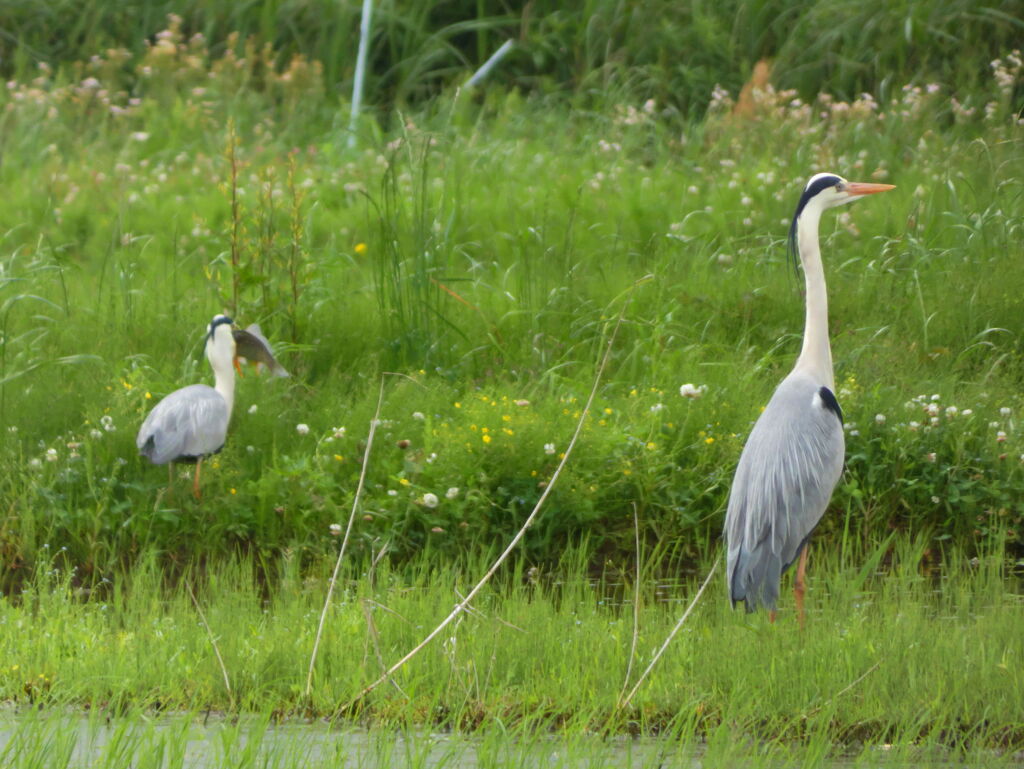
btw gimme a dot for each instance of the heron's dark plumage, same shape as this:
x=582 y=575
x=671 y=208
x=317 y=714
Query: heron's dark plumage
x=812 y=189
x=219 y=320
x=829 y=399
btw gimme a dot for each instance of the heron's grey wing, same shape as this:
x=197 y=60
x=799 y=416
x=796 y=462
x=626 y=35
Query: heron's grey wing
x=785 y=477
x=190 y=422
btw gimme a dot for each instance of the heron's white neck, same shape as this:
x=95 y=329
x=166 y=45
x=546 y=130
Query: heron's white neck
x=815 y=355
x=220 y=351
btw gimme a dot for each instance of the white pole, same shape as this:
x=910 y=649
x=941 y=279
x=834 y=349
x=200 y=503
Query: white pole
x=357 y=85
x=491 y=63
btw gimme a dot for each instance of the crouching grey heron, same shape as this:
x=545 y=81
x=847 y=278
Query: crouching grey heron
x=192 y=422
x=794 y=455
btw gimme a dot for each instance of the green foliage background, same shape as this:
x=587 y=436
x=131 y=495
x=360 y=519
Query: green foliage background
x=481 y=244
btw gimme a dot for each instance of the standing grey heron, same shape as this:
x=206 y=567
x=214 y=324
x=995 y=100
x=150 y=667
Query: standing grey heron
x=192 y=422
x=794 y=455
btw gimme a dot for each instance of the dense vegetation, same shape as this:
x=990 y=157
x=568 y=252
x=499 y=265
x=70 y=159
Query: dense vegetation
x=483 y=249
x=593 y=53
x=469 y=255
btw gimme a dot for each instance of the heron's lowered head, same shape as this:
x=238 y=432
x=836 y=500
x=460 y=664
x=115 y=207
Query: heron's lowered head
x=220 y=342
x=824 y=191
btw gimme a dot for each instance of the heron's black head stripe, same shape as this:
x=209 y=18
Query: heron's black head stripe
x=218 y=320
x=830 y=402
x=809 y=192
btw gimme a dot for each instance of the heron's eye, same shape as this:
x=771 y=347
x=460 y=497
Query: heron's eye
x=839 y=188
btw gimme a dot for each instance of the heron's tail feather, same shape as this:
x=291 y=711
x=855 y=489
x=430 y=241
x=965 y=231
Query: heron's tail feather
x=754 y=577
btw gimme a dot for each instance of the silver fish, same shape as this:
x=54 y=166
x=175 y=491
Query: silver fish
x=253 y=347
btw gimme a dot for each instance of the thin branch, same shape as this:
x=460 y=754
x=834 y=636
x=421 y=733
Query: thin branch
x=375 y=639
x=676 y=629
x=213 y=641
x=847 y=688
x=344 y=541
x=475 y=612
x=461 y=606
x=636 y=606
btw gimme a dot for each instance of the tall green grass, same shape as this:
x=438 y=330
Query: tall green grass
x=482 y=250
x=895 y=656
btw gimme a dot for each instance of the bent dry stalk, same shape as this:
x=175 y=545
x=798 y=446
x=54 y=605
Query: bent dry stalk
x=461 y=606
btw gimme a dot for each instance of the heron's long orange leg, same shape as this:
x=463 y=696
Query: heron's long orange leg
x=195 y=482
x=771 y=616
x=798 y=584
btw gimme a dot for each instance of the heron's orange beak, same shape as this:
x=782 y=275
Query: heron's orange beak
x=867 y=188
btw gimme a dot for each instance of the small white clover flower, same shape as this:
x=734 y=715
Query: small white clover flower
x=35 y=463
x=418 y=415
x=657 y=407
x=932 y=409
x=95 y=434
x=935 y=500
x=913 y=426
x=952 y=411
x=253 y=409
x=452 y=493
x=967 y=412
x=430 y=500
x=880 y=419
x=931 y=456
x=1005 y=411
x=689 y=390
x=51 y=455
x=935 y=397
x=335 y=529
x=549 y=448
x=1000 y=437
x=302 y=428
x=392 y=493
x=107 y=422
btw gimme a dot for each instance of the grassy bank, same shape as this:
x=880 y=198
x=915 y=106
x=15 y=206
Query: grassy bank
x=888 y=656
x=472 y=251
x=482 y=251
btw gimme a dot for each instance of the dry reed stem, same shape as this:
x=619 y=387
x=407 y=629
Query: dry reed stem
x=375 y=640
x=675 y=630
x=461 y=606
x=213 y=641
x=344 y=541
x=636 y=607
x=846 y=688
